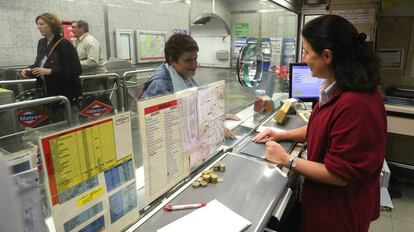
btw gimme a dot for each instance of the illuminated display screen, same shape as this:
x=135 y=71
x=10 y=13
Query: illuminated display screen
x=303 y=85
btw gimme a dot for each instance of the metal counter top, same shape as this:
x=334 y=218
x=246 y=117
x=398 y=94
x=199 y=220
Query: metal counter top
x=251 y=188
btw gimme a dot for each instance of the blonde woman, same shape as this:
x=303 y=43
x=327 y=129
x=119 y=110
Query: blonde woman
x=57 y=67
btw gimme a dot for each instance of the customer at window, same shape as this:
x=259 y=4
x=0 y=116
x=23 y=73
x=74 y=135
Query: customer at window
x=177 y=73
x=346 y=134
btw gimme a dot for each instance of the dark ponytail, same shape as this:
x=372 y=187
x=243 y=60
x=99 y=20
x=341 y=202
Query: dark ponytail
x=354 y=63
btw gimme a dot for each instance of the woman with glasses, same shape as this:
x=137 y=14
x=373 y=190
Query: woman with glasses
x=177 y=73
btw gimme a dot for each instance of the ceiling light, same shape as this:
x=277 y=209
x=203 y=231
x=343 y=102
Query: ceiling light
x=142 y=2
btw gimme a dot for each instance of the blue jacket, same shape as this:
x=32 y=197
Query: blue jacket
x=159 y=83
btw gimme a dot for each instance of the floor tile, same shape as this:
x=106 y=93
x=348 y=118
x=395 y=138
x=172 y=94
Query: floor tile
x=382 y=224
x=404 y=206
x=385 y=213
x=402 y=226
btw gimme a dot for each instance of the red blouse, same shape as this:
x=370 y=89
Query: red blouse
x=347 y=134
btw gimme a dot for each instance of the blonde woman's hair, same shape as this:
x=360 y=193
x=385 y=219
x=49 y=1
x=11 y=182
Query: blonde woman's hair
x=53 y=21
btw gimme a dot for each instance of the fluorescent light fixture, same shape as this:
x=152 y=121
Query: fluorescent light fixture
x=114 y=5
x=264 y=2
x=168 y=2
x=142 y=2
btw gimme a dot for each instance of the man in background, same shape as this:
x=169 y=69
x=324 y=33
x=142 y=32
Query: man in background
x=89 y=52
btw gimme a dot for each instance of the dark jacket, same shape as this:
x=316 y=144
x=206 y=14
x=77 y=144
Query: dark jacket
x=65 y=65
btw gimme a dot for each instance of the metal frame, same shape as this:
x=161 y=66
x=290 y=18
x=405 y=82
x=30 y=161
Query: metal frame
x=124 y=86
x=116 y=86
x=118 y=32
x=16 y=82
x=41 y=101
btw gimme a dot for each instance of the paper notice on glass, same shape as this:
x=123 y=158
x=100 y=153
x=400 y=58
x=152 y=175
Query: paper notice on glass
x=391 y=58
x=211 y=118
x=224 y=220
x=161 y=129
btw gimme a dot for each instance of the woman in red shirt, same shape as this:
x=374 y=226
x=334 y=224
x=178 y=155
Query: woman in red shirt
x=346 y=133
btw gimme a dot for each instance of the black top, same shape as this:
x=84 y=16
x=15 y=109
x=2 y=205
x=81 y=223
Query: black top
x=65 y=66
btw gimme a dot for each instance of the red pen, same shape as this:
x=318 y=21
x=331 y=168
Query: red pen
x=170 y=207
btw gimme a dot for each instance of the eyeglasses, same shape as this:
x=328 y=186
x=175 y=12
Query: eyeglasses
x=189 y=61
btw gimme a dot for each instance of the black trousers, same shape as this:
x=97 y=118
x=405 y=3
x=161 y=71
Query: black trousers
x=292 y=221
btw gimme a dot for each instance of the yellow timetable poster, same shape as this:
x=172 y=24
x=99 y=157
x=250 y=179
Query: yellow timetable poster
x=90 y=176
x=76 y=155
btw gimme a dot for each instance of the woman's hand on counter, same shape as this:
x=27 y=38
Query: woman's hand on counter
x=266 y=135
x=276 y=153
x=229 y=134
x=232 y=117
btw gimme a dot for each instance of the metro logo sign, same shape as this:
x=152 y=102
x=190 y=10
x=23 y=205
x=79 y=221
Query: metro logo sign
x=30 y=118
x=96 y=109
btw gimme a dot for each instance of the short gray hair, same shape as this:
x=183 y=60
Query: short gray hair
x=83 y=24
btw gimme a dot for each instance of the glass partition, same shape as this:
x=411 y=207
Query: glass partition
x=262 y=22
x=241 y=21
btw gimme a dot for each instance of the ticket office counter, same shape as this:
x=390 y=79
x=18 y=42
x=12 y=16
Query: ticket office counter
x=251 y=188
x=400 y=120
x=254 y=188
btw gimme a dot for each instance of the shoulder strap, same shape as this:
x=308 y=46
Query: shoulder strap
x=54 y=46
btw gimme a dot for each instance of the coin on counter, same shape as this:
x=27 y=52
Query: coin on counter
x=206 y=178
x=203 y=183
x=213 y=178
x=216 y=167
x=222 y=167
x=199 y=179
x=196 y=184
x=205 y=172
x=220 y=180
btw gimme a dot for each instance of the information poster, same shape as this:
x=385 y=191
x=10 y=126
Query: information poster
x=150 y=45
x=211 y=116
x=124 y=45
x=90 y=176
x=162 y=135
x=178 y=132
x=241 y=29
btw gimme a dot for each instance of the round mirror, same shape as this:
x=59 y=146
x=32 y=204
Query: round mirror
x=250 y=65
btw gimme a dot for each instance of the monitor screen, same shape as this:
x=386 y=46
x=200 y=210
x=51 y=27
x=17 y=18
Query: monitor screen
x=302 y=85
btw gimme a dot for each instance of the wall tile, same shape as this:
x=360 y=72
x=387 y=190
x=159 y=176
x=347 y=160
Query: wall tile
x=122 y=14
x=4 y=12
x=5 y=38
x=20 y=35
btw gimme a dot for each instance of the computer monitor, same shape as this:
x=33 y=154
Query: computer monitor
x=302 y=85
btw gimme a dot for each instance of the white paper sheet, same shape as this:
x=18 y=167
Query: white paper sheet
x=224 y=220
